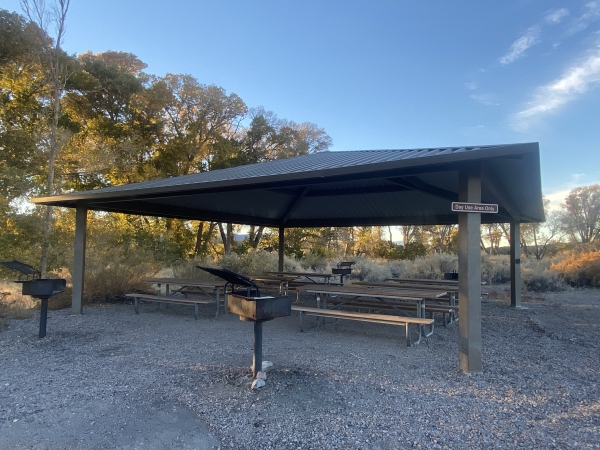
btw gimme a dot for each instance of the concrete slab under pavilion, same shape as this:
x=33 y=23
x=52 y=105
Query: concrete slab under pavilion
x=349 y=188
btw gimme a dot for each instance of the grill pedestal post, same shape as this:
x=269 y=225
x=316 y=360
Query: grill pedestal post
x=43 y=316
x=257 y=356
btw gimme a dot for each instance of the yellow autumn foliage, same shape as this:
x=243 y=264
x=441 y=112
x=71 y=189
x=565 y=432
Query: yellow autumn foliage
x=581 y=269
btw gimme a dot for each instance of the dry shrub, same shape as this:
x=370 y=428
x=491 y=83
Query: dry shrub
x=580 y=268
x=62 y=300
x=314 y=261
x=495 y=269
x=14 y=305
x=255 y=262
x=111 y=273
x=431 y=266
x=187 y=269
x=542 y=281
x=369 y=270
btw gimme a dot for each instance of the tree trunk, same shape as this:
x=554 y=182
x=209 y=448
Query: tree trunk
x=224 y=239
x=199 y=233
x=257 y=237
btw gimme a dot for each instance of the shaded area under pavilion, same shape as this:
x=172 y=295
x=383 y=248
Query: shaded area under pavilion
x=349 y=188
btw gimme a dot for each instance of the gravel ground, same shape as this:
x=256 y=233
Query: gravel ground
x=160 y=379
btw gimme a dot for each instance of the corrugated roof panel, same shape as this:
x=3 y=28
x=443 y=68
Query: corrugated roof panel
x=298 y=165
x=353 y=184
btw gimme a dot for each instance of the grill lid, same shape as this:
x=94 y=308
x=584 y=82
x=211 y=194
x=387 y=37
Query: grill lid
x=230 y=276
x=345 y=264
x=25 y=269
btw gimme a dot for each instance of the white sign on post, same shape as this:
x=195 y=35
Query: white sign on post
x=474 y=207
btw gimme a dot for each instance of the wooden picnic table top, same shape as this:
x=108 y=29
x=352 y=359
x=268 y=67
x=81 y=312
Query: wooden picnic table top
x=418 y=286
x=271 y=277
x=373 y=291
x=185 y=282
x=303 y=274
x=423 y=281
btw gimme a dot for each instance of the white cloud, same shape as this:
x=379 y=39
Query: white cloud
x=555 y=16
x=471 y=85
x=484 y=99
x=557 y=198
x=520 y=46
x=591 y=13
x=577 y=79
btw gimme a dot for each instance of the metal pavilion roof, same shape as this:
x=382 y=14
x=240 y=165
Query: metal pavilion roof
x=346 y=188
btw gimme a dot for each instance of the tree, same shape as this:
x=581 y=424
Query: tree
x=21 y=105
x=538 y=238
x=442 y=238
x=492 y=233
x=194 y=117
x=581 y=216
x=57 y=65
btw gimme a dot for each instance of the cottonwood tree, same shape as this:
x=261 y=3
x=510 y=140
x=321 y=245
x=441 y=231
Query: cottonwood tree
x=581 y=215
x=58 y=65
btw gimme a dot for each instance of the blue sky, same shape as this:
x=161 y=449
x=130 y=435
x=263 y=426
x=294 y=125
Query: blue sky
x=384 y=74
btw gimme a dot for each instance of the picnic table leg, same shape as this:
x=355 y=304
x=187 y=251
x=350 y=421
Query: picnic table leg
x=421 y=308
x=453 y=317
x=196 y=310
x=218 y=302
x=135 y=305
x=302 y=321
x=319 y=305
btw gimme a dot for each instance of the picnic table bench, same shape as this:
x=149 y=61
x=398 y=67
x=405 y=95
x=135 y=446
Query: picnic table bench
x=168 y=299
x=446 y=311
x=374 y=318
x=395 y=299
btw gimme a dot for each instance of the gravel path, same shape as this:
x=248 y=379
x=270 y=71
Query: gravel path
x=160 y=379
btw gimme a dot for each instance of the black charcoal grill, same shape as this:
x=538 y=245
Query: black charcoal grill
x=343 y=268
x=244 y=299
x=37 y=287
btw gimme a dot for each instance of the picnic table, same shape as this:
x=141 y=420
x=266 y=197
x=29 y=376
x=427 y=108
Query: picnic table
x=424 y=281
x=214 y=290
x=268 y=280
x=398 y=300
x=312 y=277
x=451 y=290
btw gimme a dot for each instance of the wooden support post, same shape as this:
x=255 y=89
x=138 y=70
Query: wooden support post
x=281 y=247
x=79 y=260
x=469 y=272
x=515 y=264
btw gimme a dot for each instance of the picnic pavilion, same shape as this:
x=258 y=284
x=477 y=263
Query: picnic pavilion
x=349 y=188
